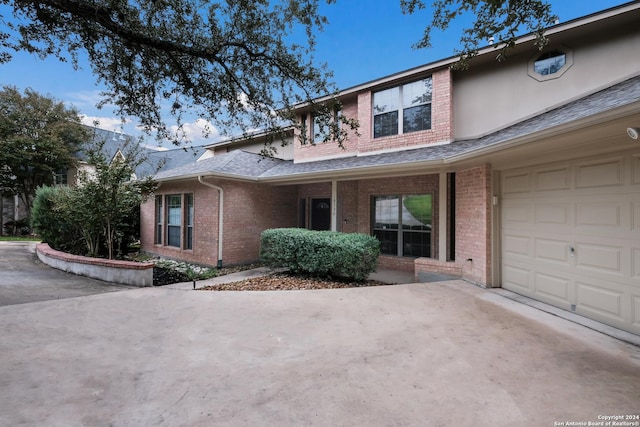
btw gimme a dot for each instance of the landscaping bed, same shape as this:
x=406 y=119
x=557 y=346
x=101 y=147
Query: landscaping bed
x=287 y=282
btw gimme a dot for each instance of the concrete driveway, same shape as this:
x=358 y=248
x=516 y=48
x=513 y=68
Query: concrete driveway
x=23 y=278
x=438 y=354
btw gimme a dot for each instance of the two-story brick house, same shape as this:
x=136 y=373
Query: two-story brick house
x=518 y=174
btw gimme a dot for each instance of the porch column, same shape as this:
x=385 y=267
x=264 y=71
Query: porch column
x=334 y=205
x=442 y=217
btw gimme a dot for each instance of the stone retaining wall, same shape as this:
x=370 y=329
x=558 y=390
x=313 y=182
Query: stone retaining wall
x=114 y=271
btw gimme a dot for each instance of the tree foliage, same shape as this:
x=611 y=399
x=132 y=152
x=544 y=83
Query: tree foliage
x=107 y=199
x=232 y=62
x=100 y=215
x=499 y=20
x=38 y=136
x=239 y=64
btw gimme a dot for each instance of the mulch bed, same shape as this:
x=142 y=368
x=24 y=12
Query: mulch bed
x=288 y=282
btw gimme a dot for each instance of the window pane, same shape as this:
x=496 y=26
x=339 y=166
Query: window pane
x=416 y=244
x=416 y=118
x=189 y=242
x=173 y=236
x=303 y=130
x=417 y=212
x=388 y=241
x=386 y=100
x=189 y=231
x=386 y=212
x=416 y=93
x=385 y=124
x=189 y=201
x=320 y=130
x=174 y=209
x=159 y=219
x=550 y=63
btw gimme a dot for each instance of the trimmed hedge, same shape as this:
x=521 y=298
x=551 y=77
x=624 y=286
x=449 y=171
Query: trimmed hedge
x=320 y=253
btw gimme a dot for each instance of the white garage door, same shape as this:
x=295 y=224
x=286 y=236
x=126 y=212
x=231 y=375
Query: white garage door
x=571 y=237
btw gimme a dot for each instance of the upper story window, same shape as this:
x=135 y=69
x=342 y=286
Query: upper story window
x=550 y=63
x=304 y=138
x=320 y=127
x=402 y=109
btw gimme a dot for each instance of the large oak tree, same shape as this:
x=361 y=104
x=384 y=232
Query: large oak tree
x=38 y=137
x=240 y=64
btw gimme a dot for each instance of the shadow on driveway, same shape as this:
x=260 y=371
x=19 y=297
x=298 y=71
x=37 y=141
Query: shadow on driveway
x=437 y=354
x=24 y=279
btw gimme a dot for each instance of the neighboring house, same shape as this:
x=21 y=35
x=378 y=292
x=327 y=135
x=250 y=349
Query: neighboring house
x=114 y=143
x=518 y=174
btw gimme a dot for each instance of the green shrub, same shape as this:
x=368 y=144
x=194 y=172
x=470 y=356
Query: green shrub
x=52 y=218
x=320 y=253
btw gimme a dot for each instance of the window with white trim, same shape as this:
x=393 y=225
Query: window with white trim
x=159 y=220
x=323 y=131
x=403 y=224
x=188 y=243
x=174 y=222
x=402 y=109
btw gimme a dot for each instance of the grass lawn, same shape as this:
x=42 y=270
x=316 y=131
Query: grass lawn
x=19 y=239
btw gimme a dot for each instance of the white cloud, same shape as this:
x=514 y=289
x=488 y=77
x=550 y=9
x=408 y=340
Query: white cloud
x=106 y=123
x=195 y=131
x=85 y=99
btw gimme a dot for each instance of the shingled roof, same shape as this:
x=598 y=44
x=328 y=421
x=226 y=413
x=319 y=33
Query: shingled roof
x=243 y=165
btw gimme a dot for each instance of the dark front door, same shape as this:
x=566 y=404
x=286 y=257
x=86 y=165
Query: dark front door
x=320 y=214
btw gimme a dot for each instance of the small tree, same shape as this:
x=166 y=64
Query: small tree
x=108 y=197
x=102 y=212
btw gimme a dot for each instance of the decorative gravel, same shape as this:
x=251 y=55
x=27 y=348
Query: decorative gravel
x=288 y=282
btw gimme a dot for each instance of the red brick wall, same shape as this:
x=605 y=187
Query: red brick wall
x=328 y=149
x=441 y=125
x=473 y=223
x=441 y=120
x=249 y=208
x=348 y=207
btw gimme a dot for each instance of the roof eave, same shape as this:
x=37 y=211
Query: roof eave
x=616 y=113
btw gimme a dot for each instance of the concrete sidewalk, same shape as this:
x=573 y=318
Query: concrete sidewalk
x=436 y=354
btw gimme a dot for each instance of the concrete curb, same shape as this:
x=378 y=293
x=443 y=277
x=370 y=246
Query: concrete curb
x=114 y=271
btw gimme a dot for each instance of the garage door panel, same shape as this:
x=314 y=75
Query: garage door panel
x=516 y=182
x=516 y=278
x=635 y=216
x=552 y=179
x=556 y=214
x=517 y=213
x=602 y=303
x=635 y=169
x=599 y=214
x=552 y=250
x=553 y=287
x=635 y=311
x=635 y=266
x=600 y=174
x=601 y=258
x=517 y=245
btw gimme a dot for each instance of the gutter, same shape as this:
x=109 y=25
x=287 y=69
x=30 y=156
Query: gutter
x=220 y=217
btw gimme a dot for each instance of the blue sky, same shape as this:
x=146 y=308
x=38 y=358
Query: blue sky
x=365 y=40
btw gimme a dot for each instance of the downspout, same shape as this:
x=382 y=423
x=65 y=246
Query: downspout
x=220 y=217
